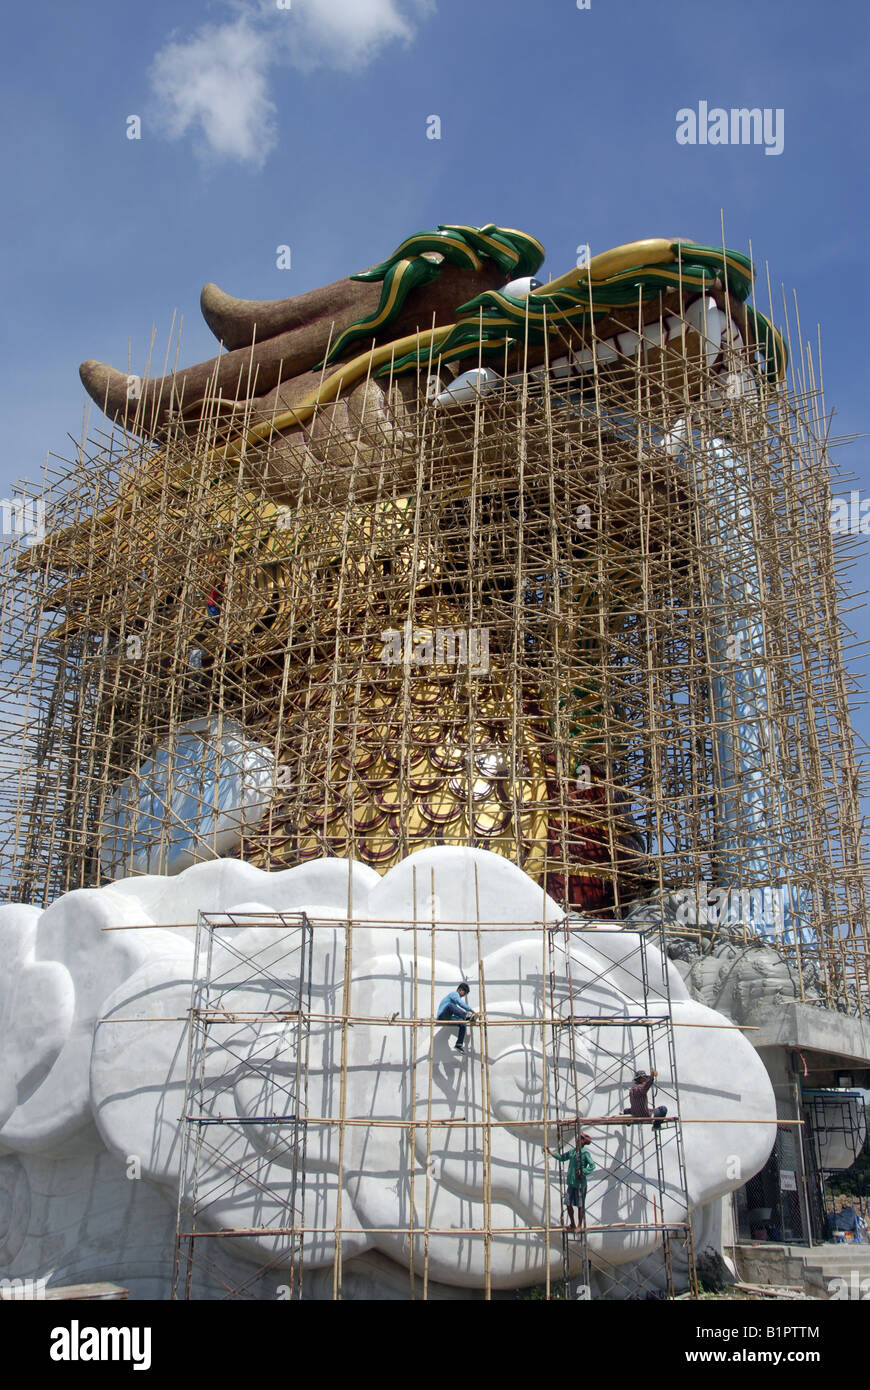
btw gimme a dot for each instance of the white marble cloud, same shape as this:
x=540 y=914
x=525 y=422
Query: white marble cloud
x=36 y=1009
x=56 y=968
x=129 y=1075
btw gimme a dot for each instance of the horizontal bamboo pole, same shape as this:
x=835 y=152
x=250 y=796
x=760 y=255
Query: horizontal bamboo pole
x=422 y=1231
x=587 y=1122
x=421 y=925
x=590 y=1020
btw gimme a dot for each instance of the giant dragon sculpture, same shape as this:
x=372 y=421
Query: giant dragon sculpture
x=319 y=484
x=309 y=399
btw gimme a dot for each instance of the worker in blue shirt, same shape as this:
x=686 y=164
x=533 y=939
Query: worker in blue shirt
x=453 y=1006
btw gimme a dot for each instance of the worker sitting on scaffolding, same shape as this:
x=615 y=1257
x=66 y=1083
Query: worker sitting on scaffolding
x=453 y=1006
x=638 y=1100
x=580 y=1165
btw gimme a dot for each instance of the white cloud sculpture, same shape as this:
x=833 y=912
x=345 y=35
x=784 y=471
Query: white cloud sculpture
x=93 y=1023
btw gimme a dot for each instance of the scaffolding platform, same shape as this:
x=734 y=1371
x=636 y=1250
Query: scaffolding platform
x=283 y=1068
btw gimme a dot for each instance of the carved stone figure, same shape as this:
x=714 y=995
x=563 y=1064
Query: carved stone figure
x=95 y=1036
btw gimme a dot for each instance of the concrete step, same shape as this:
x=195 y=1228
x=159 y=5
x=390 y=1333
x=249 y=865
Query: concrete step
x=812 y=1268
x=851 y=1256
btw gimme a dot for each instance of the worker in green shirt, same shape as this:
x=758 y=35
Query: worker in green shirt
x=579 y=1165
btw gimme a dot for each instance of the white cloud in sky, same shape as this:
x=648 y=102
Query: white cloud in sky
x=349 y=32
x=215 y=84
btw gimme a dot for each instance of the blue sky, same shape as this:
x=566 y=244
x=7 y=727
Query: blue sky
x=307 y=127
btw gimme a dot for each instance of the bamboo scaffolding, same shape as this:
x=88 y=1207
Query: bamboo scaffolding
x=204 y=1112
x=198 y=605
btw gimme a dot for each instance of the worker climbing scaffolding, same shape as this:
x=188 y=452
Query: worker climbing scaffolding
x=638 y=1100
x=580 y=1164
x=637 y=1157
x=454 y=1007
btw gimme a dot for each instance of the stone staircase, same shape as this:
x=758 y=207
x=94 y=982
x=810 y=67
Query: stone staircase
x=822 y=1271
